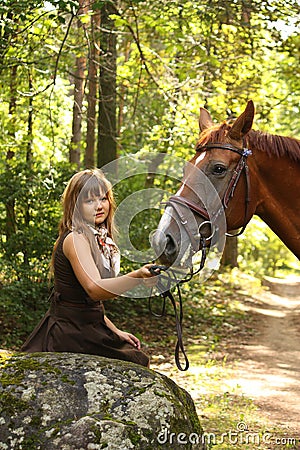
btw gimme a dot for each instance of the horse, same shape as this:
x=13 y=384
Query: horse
x=253 y=172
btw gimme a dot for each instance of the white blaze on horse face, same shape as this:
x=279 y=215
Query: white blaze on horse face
x=193 y=177
x=200 y=158
x=186 y=180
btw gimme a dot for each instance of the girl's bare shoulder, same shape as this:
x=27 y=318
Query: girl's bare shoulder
x=74 y=240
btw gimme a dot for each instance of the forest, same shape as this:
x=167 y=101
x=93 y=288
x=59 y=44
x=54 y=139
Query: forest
x=85 y=83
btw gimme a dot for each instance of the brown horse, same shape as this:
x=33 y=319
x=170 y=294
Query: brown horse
x=253 y=173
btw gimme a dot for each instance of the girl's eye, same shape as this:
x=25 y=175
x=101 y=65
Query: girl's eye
x=91 y=201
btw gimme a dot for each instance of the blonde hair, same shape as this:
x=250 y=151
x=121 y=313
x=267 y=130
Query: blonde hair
x=80 y=187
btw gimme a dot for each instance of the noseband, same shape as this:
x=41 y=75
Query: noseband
x=241 y=166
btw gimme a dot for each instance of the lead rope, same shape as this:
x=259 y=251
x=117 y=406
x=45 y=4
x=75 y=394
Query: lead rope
x=169 y=275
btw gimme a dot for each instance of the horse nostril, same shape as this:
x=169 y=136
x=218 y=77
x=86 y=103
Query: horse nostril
x=171 y=247
x=158 y=242
x=164 y=246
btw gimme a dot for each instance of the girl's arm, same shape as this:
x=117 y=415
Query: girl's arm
x=128 y=337
x=77 y=249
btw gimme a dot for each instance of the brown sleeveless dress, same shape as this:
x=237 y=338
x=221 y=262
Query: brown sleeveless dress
x=75 y=323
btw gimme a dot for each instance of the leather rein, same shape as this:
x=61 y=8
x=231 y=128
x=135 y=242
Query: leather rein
x=170 y=275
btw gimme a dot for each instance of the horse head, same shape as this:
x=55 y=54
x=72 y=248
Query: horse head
x=192 y=216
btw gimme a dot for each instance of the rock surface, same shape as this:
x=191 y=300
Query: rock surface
x=72 y=401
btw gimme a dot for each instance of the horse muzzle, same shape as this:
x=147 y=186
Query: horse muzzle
x=164 y=246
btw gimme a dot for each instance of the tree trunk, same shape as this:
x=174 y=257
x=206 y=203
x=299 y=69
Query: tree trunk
x=107 y=135
x=74 y=155
x=28 y=160
x=11 y=225
x=230 y=253
x=122 y=88
x=89 y=160
x=79 y=78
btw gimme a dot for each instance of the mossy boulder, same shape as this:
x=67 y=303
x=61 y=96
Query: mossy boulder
x=72 y=401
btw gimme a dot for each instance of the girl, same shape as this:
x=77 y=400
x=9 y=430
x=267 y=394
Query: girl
x=85 y=265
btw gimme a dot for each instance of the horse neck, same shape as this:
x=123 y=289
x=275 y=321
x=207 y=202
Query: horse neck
x=275 y=186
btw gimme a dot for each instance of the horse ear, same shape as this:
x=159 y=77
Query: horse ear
x=205 y=121
x=243 y=123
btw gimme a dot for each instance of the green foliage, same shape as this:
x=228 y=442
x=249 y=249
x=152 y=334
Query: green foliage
x=36 y=194
x=262 y=253
x=22 y=304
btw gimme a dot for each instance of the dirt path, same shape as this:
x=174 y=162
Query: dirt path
x=268 y=366
x=265 y=366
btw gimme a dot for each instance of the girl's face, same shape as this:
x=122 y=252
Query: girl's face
x=95 y=209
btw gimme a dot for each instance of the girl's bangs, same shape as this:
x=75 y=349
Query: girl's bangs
x=94 y=188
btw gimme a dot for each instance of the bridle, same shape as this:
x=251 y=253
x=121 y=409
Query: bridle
x=241 y=167
x=200 y=241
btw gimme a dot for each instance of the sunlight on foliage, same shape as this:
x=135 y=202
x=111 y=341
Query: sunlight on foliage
x=262 y=253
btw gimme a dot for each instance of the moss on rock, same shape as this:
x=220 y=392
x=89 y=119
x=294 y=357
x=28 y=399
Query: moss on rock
x=73 y=401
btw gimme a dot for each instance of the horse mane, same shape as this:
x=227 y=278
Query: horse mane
x=273 y=145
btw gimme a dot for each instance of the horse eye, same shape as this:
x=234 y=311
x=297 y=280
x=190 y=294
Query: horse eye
x=218 y=169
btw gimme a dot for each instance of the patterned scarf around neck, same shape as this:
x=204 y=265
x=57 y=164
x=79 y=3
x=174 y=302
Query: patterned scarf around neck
x=109 y=251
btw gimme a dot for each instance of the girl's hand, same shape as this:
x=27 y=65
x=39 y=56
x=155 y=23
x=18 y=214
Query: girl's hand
x=130 y=338
x=149 y=278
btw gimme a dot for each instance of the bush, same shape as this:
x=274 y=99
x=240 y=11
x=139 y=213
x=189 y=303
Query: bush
x=22 y=304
